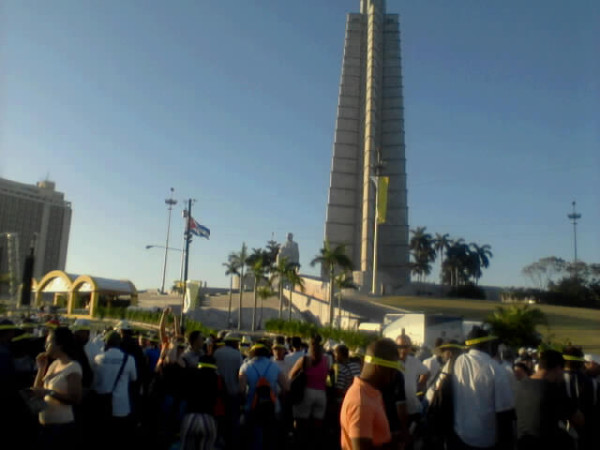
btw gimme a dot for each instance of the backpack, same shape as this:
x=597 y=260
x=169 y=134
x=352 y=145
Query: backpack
x=440 y=414
x=263 y=402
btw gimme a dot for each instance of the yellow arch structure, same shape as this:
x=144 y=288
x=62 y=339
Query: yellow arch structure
x=73 y=294
x=46 y=279
x=73 y=284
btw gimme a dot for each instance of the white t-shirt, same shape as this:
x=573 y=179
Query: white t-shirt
x=413 y=369
x=229 y=361
x=481 y=389
x=94 y=347
x=291 y=359
x=56 y=380
x=106 y=369
x=434 y=367
x=282 y=364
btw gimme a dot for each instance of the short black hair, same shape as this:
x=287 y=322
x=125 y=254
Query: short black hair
x=342 y=350
x=577 y=352
x=523 y=367
x=64 y=338
x=383 y=348
x=551 y=359
x=193 y=336
x=476 y=333
x=296 y=342
x=262 y=350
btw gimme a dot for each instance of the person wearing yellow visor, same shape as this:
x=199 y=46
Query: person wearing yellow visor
x=363 y=419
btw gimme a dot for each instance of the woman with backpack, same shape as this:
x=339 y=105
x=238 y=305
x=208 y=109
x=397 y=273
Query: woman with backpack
x=310 y=411
x=260 y=380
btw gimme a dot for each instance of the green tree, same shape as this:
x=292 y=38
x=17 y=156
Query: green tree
x=332 y=259
x=441 y=243
x=272 y=250
x=545 y=271
x=264 y=292
x=459 y=264
x=258 y=264
x=231 y=269
x=280 y=272
x=422 y=251
x=516 y=324
x=294 y=279
x=478 y=258
x=343 y=281
x=239 y=259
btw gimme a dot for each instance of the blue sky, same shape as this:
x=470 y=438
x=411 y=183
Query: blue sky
x=233 y=104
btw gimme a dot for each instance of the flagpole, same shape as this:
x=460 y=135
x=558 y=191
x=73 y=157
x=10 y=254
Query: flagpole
x=188 y=238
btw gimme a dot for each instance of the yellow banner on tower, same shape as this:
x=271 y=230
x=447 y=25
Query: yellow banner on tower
x=382 y=198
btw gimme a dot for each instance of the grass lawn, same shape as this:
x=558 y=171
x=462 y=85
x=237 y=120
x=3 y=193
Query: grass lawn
x=581 y=326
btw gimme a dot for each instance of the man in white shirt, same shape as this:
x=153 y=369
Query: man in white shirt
x=434 y=363
x=291 y=358
x=229 y=360
x=483 y=398
x=415 y=377
x=107 y=366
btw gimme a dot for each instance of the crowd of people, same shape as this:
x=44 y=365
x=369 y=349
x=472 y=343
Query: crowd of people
x=64 y=386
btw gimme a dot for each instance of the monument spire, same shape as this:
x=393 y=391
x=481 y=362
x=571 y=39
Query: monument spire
x=370 y=130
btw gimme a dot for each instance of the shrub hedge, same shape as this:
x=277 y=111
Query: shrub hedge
x=306 y=330
x=149 y=317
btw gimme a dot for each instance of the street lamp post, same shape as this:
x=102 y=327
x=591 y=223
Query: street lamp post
x=167 y=249
x=375 y=179
x=170 y=202
x=574 y=216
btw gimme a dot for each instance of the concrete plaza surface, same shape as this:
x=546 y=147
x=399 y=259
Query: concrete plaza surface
x=212 y=309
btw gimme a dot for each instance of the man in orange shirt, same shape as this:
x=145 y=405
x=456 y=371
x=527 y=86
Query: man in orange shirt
x=363 y=419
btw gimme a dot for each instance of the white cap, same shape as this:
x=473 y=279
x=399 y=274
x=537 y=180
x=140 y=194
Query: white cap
x=81 y=324
x=592 y=358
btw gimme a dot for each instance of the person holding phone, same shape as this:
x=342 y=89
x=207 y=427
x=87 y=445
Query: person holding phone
x=59 y=384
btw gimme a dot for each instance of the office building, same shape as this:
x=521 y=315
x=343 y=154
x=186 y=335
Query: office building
x=33 y=213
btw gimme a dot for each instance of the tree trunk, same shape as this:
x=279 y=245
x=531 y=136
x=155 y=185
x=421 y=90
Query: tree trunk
x=280 y=296
x=241 y=292
x=331 y=272
x=290 y=305
x=230 y=300
x=255 y=305
x=340 y=309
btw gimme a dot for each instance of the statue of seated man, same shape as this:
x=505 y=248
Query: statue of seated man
x=289 y=250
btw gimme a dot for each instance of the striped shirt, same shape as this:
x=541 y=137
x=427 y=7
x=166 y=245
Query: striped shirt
x=345 y=373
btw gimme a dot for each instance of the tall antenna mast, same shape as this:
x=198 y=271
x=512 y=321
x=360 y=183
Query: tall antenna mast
x=574 y=216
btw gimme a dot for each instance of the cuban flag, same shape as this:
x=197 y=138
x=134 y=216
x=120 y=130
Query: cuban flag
x=199 y=230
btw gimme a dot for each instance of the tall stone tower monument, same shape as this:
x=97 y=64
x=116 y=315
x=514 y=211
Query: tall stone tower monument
x=369 y=143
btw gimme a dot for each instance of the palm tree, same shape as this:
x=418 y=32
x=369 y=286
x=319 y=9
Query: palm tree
x=483 y=255
x=280 y=273
x=455 y=265
x=441 y=243
x=332 y=259
x=231 y=267
x=264 y=292
x=240 y=260
x=258 y=266
x=343 y=281
x=423 y=253
x=294 y=279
